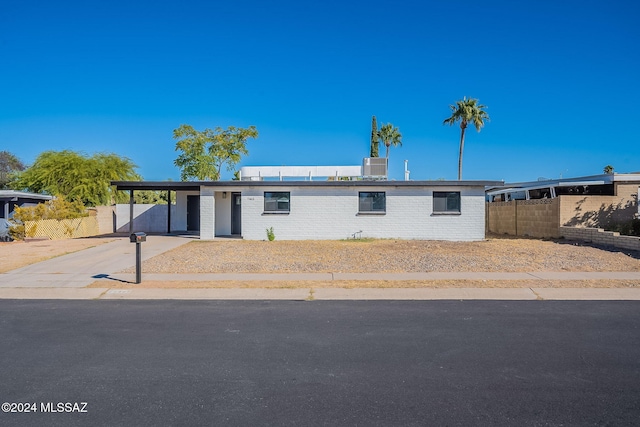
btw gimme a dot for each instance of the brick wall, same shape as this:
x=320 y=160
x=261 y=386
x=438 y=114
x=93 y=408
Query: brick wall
x=327 y=213
x=601 y=237
x=501 y=217
x=534 y=218
x=207 y=213
x=538 y=218
x=541 y=218
x=106 y=219
x=600 y=211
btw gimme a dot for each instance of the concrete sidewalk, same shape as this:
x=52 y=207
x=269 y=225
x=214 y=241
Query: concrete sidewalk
x=425 y=276
x=66 y=277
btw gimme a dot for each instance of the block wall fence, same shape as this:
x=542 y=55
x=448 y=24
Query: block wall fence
x=600 y=237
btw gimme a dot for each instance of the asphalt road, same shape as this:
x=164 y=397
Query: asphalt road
x=152 y=363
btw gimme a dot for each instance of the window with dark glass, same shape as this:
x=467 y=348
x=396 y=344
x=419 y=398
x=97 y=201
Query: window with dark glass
x=446 y=202
x=277 y=201
x=372 y=201
x=540 y=193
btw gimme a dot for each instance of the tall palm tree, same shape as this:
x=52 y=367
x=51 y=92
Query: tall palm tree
x=466 y=111
x=390 y=135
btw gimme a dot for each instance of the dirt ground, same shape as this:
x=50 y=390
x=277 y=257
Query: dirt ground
x=495 y=254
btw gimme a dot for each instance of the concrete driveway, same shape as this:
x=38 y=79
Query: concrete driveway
x=82 y=268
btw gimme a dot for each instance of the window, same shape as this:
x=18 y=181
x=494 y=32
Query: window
x=446 y=202
x=372 y=202
x=540 y=193
x=277 y=201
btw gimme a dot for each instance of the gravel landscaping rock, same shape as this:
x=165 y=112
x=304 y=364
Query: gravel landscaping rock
x=495 y=254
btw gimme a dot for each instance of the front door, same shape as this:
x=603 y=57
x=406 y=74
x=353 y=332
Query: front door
x=236 y=213
x=193 y=213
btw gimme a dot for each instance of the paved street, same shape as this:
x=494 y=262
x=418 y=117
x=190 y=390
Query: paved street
x=322 y=362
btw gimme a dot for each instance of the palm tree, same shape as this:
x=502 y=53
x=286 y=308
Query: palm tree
x=466 y=111
x=390 y=135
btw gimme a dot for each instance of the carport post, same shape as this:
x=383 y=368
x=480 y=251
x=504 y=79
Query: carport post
x=169 y=211
x=131 y=211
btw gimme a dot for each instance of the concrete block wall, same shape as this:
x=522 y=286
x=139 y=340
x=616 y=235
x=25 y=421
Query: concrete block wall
x=146 y=217
x=537 y=218
x=106 y=219
x=207 y=213
x=600 y=211
x=501 y=217
x=600 y=237
x=534 y=218
x=324 y=213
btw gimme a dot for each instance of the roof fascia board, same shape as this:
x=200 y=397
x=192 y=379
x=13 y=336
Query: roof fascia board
x=195 y=185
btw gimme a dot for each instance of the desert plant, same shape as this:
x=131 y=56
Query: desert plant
x=270 y=234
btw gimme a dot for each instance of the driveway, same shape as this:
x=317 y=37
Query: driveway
x=82 y=268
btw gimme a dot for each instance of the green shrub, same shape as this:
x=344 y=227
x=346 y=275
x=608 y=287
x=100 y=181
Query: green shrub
x=58 y=208
x=628 y=228
x=270 y=234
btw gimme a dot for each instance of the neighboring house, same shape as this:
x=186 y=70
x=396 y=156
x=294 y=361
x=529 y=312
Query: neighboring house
x=540 y=208
x=323 y=209
x=9 y=199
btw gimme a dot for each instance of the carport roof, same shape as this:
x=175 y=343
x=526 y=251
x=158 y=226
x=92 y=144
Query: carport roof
x=156 y=185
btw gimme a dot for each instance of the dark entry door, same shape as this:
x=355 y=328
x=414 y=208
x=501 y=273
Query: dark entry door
x=236 y=213
x=193 y=213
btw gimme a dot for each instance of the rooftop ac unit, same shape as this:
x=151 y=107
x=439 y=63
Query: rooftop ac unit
x=374 y=167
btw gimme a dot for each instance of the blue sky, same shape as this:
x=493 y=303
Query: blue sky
x=560 y=80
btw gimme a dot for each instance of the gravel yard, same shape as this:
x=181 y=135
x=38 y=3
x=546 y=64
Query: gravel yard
x=496 y=254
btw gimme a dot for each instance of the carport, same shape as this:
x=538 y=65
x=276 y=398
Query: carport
x=168 y=186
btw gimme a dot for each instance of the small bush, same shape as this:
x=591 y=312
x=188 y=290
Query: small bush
x=58 y=208
x=270 y=234
x=629 y=228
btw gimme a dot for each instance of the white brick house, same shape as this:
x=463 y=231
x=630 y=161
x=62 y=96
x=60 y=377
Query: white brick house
x=314 y=210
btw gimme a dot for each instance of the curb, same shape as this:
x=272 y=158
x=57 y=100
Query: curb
x=329 y=294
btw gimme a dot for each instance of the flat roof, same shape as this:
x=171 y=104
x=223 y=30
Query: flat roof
x=195 y=185
x=24 y=195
